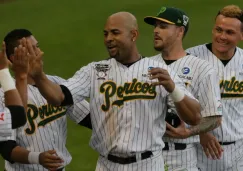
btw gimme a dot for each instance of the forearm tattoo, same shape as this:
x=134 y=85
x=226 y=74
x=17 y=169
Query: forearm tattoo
x=206 y=124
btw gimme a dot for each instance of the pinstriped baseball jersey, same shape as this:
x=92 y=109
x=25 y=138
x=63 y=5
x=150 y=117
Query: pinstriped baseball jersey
x=46 y=128
x=201 y=80
x=5 y=120
x=231 y=87
x=127 y=111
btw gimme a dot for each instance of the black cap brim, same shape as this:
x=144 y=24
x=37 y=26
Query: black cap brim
x=151 y=20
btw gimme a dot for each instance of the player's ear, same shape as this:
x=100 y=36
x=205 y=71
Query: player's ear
x=181 y=31
x=134 y=34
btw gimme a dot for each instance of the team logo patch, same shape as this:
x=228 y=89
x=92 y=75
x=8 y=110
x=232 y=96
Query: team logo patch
x=2 y=117
x=162 y=9
x=185 y=70
x=219 y=106
x=102 y=70
x=185 y=20
x=149 y=68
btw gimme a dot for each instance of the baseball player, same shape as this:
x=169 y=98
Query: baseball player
x=9 y=148
x=46 y=128
x=227 y=59
x=127 y=101
x=170 y=27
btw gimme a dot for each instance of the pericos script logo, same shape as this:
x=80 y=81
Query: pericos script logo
x=185 y=70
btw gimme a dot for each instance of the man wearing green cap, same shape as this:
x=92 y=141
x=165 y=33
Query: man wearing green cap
x=170 y=27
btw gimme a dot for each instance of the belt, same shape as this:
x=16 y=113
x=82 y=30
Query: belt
x=227 y=143
x=128 y=160
x=178 y=146
x=56 y=170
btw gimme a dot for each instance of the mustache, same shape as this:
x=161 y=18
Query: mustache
x=156 y=37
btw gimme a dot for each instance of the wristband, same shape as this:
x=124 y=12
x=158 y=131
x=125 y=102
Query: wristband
x=33 y=157
x=6 y=80
x=177 y=95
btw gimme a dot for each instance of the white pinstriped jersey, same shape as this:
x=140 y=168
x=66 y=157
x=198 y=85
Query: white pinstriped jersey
x=231 y=87
x=5 y=120
x=127 y=112
x=46 y=127
x=201 y=80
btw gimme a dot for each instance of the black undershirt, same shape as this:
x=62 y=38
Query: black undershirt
x=209 y=46
x=168 y=62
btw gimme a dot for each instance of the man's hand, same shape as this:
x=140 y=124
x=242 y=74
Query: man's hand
x=50 y=160
x=20 y=62
x=35 y=60
x=211 y=146
x=181 y=132
x=163 y=77
x=3 y=58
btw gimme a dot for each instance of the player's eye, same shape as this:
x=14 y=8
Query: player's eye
x=162 y=25
x=115 y=32
x=229 y=32
x=219 y=30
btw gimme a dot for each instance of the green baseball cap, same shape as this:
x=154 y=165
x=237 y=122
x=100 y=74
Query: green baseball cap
x=169 y=15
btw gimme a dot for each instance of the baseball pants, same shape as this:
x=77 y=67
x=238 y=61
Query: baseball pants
x=180 y=160
x=231 y=160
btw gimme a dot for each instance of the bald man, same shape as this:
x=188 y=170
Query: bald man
x=127 y=102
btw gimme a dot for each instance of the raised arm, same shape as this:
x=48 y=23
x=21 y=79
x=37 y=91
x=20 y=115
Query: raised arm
x=12 y=98
x=51 y=91
x=211 y=109
x=188 y=108
x=72 y=91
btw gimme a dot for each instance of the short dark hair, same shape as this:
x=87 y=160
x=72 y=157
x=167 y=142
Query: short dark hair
x=12 y=39
x=232 y=11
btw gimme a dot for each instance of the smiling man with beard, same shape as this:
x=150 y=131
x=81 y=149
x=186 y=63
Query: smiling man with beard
x=170 y=27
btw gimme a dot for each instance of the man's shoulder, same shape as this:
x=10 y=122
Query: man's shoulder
x=197 y=48
x=153 y=62
x=240 y=50
x=195 y=60
x=155 y=56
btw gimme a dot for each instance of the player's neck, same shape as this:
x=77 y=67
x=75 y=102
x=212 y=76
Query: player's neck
x=223 y=56
x=30 y=81
x=173 y=53
x=134 y=57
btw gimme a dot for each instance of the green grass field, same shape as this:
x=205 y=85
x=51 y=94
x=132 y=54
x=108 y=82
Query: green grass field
x=71 y=35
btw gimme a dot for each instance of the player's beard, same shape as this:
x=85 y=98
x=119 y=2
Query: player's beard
x=158 y=48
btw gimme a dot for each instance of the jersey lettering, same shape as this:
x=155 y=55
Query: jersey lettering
x=47 y=114
x=130 y=91
x=232 y=88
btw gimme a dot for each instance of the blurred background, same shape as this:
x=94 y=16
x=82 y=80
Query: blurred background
x=70 y=32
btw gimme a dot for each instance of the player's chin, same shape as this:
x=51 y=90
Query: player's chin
x=113 y=54
x=223 y=49
x=158 y=48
